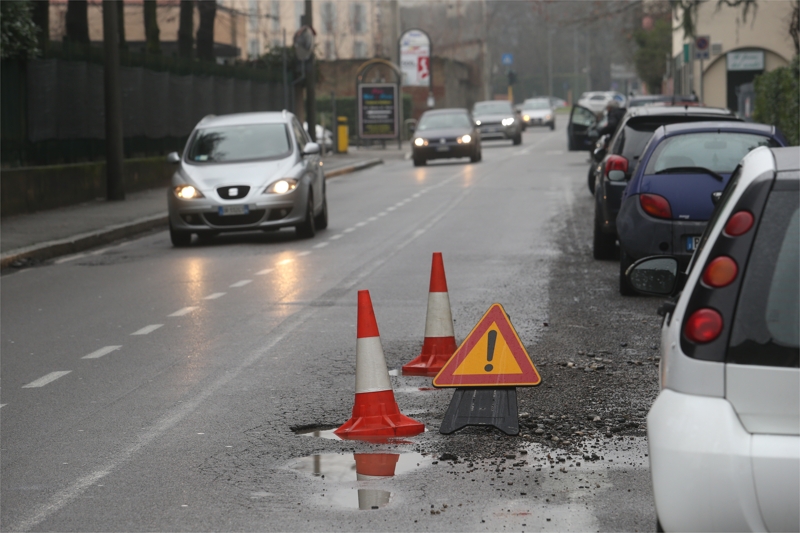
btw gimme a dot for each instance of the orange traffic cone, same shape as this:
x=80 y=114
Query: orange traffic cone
x=375 y=412
x=440 y=341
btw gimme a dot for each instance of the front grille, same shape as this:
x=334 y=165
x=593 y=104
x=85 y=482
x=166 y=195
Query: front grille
x=444 y=140
x=233 y=192
x=234 y=220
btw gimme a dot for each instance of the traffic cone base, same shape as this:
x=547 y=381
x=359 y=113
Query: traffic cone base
x=436 y=351
x=376 y=414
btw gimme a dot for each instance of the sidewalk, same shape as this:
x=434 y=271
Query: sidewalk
x=25 y=239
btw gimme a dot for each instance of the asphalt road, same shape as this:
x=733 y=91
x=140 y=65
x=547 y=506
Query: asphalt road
x=151 y=388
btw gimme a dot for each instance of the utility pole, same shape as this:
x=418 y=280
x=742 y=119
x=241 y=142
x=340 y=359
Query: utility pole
x=549 y=63
x=115 y=185
x=311 y=80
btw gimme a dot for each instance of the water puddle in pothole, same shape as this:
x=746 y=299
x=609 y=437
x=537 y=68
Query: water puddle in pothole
x=350 y=480
x=329 y=434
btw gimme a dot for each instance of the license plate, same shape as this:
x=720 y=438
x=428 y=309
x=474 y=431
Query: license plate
x=692 y=243
x=226 y=210
x=442 y=148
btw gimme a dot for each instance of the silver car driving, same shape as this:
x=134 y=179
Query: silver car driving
x=245 y=172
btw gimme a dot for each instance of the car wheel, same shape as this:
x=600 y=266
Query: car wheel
x=321 y=220
x=603 y=245
x=625 y=261
x=552 y=126
x=419 y=161
x=307 y=229
x=475 y=157
x=180 y=239
x=518 y=139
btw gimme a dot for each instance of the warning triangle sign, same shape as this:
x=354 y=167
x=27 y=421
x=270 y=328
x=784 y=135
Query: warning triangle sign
x=491 y=356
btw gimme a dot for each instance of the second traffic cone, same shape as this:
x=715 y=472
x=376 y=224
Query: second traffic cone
x=440 y=341
x=375 y=412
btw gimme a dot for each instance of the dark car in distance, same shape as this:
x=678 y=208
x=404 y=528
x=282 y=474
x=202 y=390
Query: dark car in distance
x=497 y=119
x=613 y=167
x=680 y=177
x=445 y=134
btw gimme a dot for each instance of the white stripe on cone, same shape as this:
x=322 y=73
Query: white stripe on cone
x=371 y=372
x=439 y=321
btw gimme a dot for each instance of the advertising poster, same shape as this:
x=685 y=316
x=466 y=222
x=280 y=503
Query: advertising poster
x=415 y=58
x=377 y=111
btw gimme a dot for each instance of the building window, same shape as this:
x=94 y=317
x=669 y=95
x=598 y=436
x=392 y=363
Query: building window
x=328 y=13
x=330 y=52
x=253 y=16
x=359 y=49
x=299 y=12
x=253 y=48
x=275 y=13
x=358 y=18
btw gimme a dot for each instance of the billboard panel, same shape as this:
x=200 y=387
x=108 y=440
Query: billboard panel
x=415 y=58
x=377 y=111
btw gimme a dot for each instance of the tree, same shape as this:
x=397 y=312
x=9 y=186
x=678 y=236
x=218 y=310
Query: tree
x=686 y=12
x=794 y=26
x=77 y=22
x=41 y=17
x=18 y=33
x=653 y=45
x=205 y=33
x=151 y=31
x=185 y=29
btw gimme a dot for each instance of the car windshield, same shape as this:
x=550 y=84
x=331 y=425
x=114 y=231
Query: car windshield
x=536 y=104
x=239 y=143
x=717 y=151
x=493 y=108
x=444 y=121
x=597 y=97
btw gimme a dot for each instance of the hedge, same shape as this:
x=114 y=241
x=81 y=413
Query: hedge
x=778 y=100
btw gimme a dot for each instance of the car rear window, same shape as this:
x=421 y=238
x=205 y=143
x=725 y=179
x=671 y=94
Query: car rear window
x=718 y=151
x=227 y=144
x=444 y=120
x=766 y=325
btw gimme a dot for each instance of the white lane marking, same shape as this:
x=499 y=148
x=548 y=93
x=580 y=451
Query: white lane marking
x=69 y=258
x=390 y=209
x=184 y=311
x=360 y=224
x=240 y=283
x=417 y=195
x=285 y=261
x=100 y=251
x=305 y=253
x=44 y=380
x=382 y=214
x=372 y=219
x=321 y=245
x=214 y=296
x=349 y=230
x=147 y=329
x=523 y=152
x=101 y=352
x=3 y=405
x=264 y=272
x=336 y=237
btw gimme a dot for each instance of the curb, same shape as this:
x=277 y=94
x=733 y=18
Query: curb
x=84 y=241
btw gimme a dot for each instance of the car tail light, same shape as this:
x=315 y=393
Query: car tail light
x=703 y=326
x=739 y=224
x=655 y=205
x=616 y=162
x=720 y=272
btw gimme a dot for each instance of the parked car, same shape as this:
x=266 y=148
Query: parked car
x=595 y=101
x=497 y=119
x=445 y=133
x=244 y=172
x=324 y=136
x=538 y=112
x=662 y=99
x=672 y=192
x=622 y=154
x=582 y=129
x=724 y=432
x=557 y=103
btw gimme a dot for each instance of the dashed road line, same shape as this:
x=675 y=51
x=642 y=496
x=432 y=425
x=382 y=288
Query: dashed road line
x=372 y=219
x=360 y=224
x=303 y=254
x=339 y=236
x=285 y=261
x=241 y=283
x=47 y=378
x=101 y=352
x=147 y=329
x=184 y=311
x=214 y=296
x=264 y=272
x=349 y=230
x=321 y=245
x=3 y=405
x=68 y=258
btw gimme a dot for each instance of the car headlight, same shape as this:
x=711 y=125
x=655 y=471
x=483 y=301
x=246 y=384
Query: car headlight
x=465 y=139
x=282 y=186
x=477 y=122
x=548 y=117
x=526 y=117
x=507 y=121
x=419 y=141
x=187 y=192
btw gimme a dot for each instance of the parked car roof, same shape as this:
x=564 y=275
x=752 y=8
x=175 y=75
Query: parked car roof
x=446 y=111
x=237 y=119
x=747 y=127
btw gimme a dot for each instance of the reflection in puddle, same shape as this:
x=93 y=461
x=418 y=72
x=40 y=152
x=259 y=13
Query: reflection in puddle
x=329 y=434
x=343 y=473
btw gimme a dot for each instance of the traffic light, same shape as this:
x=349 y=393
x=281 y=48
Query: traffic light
x=512 y=77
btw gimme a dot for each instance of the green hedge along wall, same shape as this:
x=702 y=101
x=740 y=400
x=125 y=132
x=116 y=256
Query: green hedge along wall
x=778 y=100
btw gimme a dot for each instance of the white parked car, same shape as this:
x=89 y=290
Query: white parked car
x=724 y=432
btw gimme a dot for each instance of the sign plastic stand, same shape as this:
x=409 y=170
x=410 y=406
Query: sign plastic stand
x=480 y=406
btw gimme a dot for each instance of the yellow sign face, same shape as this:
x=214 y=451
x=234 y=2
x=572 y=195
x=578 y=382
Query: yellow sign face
x=490 y=356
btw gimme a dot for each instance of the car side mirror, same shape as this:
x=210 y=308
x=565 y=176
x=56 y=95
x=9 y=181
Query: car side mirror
x=311 y=149
x=173 y=158
x=616 y=175
x=655 y=275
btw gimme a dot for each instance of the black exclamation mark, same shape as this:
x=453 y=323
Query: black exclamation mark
x=490 y=350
